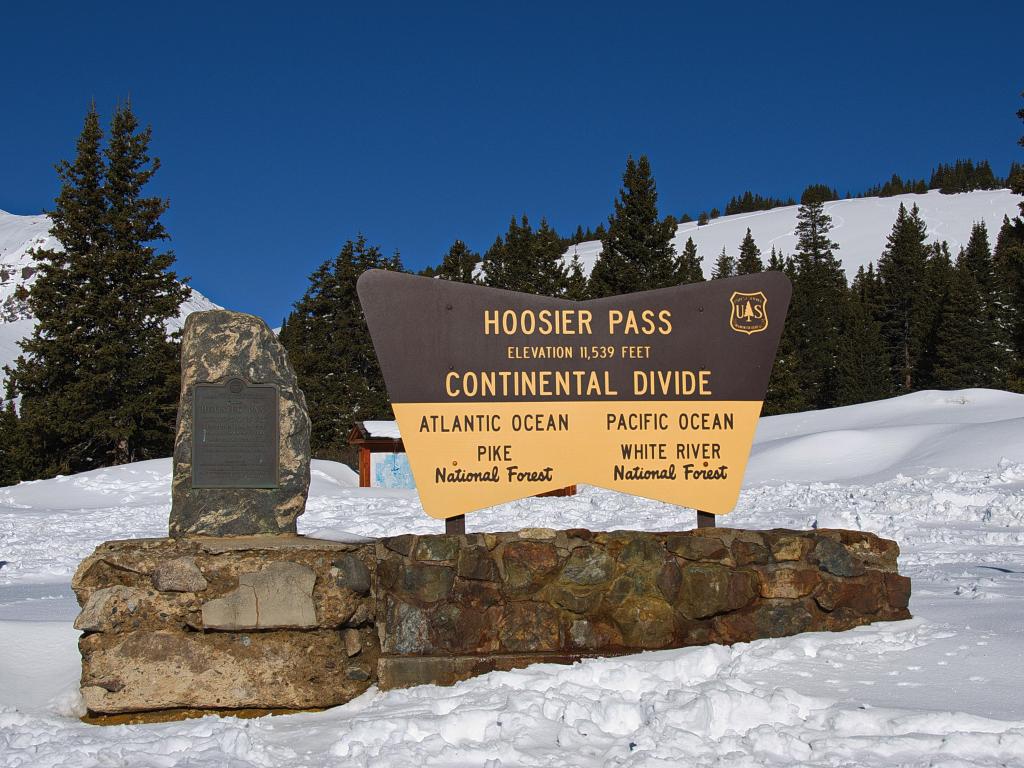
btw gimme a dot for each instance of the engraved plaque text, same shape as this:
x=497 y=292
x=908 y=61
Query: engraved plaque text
x=235 y=435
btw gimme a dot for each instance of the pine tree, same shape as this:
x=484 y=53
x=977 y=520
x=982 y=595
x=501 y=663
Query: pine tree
x=938 y=279
x=984 y=178
x=818 y=193
x=1017 y=183
x=904 y=295
x=967 y=350
x=526 y=261
x=749 y=202
x=688 y=267
x=1009 y=266
x=575 y=280
x=785 y=393
x=329 y=346
x=978 y=259
x=492 y=266
x=862 y=364
x=995 y=292
x=506 y=262
x=637 y=253
x=459 y=264
x=725 y=266
x=149 y=296
x=546 y=251
x=11 y=457
x=750 y=256
x=817 y=310
x=99 y=377
x=1015 y=178
x=862 y=288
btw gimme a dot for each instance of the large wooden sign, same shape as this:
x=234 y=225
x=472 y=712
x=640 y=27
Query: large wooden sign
x=502 y=395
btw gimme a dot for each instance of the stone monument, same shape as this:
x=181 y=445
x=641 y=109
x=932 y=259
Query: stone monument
x=236 y=613
x=241 y=455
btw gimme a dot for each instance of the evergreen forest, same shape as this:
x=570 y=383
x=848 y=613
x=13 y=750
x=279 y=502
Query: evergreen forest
x=97 y=381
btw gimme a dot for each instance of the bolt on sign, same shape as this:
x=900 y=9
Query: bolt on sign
x=502 y=395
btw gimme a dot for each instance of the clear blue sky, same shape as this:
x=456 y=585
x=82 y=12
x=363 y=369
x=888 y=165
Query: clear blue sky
x=285 y=131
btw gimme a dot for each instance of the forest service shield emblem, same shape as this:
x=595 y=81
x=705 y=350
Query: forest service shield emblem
x=749 y=312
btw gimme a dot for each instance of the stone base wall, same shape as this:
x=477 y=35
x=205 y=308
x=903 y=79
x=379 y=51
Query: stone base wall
x=274 y=622
x=288 y=623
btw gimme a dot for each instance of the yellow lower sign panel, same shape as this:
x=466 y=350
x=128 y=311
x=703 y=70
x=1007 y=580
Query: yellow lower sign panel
x=467 y=456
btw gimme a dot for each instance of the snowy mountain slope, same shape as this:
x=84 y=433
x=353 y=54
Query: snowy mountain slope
x=860 y=226
x=18 y=236
x=942 y=689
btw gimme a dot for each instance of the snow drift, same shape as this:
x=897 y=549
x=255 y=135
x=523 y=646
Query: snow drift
x=941 y=472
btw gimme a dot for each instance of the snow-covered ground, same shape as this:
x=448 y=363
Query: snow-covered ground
x=940 y=472
x=860 y=226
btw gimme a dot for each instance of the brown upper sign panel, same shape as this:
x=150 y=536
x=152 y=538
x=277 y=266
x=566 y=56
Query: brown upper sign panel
x=501 y=395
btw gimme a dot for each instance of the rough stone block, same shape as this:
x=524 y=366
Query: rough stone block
x=708 y=590
x=476 y=563
x=179 y=575
x=529 y=626
x=526 y=566
x=351 y=573
x=588 y=566
x=706 y=548
x=281 y=595
x=897 y=590
x=788 y=580
x=788 y=548
x=644 y=622
x=423 y=584
x=216 y=346
x=594 y=635
x=121 y=609
x=437 y=548
x=864 y=594
x=833 y=557
x=769 y=618
x=145 y=671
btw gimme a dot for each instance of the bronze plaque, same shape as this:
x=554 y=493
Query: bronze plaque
x=502 y=395
x=235 y=435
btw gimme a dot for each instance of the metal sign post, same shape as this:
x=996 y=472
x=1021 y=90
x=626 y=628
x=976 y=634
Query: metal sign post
x=705 y=519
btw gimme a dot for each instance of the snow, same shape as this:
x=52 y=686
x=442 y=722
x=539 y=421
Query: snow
x=940 y=472
x=382 y=429
x=18 y=236
x=11 y=333
x=860 y=226
x=969 y=429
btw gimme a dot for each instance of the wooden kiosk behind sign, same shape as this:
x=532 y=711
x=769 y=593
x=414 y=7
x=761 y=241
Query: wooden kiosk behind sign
x=361 y=438
x=369 y=439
